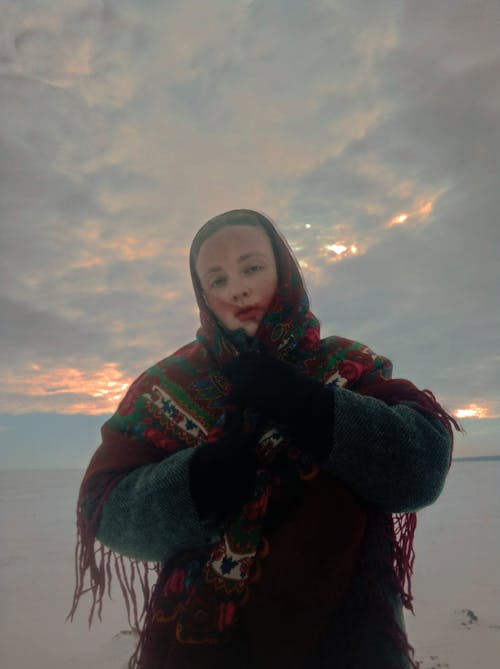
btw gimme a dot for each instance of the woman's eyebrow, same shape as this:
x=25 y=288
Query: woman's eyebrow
x=217 y=268
x=245 y=256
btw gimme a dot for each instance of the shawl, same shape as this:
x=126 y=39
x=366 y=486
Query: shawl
x=182 y=402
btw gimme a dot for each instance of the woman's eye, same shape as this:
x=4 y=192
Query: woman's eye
x=217 y=282
x=253 y=269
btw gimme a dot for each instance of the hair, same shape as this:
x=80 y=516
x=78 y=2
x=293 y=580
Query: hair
x=225 y=220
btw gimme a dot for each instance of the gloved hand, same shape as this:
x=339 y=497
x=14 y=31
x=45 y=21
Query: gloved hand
x=272 y=387
x=222 y=474
x=280 y=392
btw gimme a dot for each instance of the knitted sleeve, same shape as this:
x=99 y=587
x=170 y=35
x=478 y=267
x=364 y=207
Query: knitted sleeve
x=151 y=515
x=395 y=457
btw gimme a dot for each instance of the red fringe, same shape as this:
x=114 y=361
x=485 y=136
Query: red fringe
x=138 y=659
x=98 y=562
x=399 y=531
x=404 y=526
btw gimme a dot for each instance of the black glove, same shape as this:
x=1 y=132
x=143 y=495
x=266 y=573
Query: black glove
x=278 y=391
x=222 y=474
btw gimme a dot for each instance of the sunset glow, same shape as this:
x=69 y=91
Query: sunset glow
x=338 y=251
x=337 y=248
x=425 y=208
x=69 y=390
x=472 y=411
x=420 y=210
x=398 y=220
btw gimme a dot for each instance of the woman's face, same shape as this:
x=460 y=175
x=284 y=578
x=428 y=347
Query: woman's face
x=238 y=275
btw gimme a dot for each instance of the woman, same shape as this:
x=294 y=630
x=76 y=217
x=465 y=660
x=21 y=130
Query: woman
x=272 y=474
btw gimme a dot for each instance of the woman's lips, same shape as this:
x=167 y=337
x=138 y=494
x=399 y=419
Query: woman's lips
x=248 y=313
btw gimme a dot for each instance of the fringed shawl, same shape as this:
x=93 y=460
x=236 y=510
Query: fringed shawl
x=181 y=402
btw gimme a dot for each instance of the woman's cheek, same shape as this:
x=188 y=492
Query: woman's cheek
x=220 y=306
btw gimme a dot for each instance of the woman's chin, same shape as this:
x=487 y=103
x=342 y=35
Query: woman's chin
x=250 y=327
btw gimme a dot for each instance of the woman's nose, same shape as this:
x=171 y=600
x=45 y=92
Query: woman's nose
x=241 y=291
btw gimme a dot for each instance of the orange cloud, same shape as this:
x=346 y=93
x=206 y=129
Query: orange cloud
x=397 y=220
x=171 y=294
x=425 y=208
x=421 y=210
x=69 y=390
x=134 y=248
x=89 y=262
x=472 y=411
x=339 y=250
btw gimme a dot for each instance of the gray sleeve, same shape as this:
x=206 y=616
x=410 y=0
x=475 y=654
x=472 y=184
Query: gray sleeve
x=392 y=456
x=150 y=514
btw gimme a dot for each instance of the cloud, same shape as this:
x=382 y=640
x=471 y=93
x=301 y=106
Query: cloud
x=403 y=301
x=125 y=127
x=41 y=333
x=69 y=389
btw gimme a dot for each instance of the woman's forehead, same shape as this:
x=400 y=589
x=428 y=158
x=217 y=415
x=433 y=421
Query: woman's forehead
x=230 y=243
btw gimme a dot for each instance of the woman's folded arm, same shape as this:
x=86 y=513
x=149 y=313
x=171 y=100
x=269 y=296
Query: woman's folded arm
x=395 y=457
x=150 y=514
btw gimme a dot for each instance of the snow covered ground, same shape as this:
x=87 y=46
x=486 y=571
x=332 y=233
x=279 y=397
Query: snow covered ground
x=456 y=581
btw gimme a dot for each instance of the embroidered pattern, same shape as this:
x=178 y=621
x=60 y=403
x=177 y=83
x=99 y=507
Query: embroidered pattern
x=268 y=444
x=173 y=413
x=230 y=565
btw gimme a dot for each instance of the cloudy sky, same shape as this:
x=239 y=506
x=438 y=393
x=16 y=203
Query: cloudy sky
x=369 y=131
